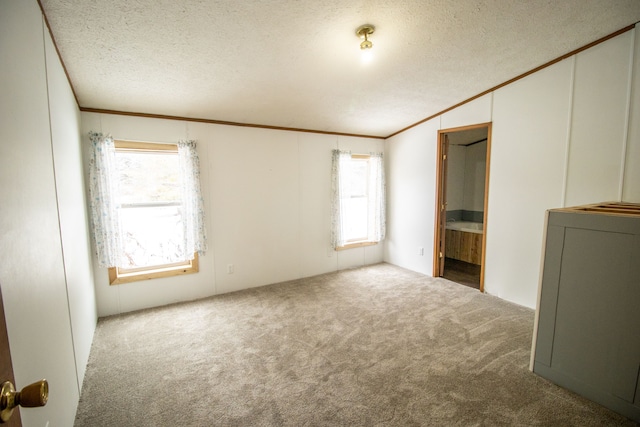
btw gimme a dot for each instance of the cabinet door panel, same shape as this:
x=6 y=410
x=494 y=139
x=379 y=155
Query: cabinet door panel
x=476 y=249
x=595 y=272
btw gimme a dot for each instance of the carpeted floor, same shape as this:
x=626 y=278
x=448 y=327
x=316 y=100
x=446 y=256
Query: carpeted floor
x=375 y=346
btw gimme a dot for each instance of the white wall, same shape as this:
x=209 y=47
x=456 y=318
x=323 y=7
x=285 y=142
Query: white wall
x=410 y=173
x=530 y=119
x=46 y=282
x=267 y=200
x=475 y=167
x=456 y=168
x=565 y=135
x=476 y=111
x=466 y=171
x=599 y=122
x=74 y=230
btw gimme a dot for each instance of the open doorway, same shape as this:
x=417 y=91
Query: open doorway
x=461 y=204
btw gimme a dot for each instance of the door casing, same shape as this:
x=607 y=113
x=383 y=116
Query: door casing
x=6 y=367
x=440 y=209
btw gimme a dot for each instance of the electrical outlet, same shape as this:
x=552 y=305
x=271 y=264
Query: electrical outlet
x=230 y=269
x=330 y=251
x=421 y=251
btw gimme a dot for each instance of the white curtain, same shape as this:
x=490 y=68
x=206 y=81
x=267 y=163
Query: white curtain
x=103 y=195
x=340 y=179
x=104 y=200
x=192 y=203
x=377 y=199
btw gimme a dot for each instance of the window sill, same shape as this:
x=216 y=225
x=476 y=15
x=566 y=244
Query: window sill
x=355 y=245
x=118 y=277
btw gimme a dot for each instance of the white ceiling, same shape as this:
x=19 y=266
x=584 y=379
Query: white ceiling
x=297 y=64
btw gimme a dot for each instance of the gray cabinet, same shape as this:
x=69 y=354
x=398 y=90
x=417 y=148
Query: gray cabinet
x=588 y=317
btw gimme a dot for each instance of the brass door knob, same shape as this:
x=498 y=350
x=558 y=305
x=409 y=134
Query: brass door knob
x=31 y=396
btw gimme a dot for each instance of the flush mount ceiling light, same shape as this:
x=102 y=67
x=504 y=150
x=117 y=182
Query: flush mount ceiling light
x=364 y=31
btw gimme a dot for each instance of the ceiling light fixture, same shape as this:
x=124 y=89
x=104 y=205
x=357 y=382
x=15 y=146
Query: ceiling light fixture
x=364 y=31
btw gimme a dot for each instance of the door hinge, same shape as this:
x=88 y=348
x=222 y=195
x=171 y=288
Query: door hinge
x=441 y=256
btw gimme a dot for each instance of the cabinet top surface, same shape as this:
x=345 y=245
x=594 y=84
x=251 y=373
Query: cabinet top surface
x=608 y=208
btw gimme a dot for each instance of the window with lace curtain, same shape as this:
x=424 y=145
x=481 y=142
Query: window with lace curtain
x=358 y=199
x=146 y=208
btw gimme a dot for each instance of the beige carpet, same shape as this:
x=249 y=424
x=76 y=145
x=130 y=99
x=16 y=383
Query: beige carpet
x=375 y=346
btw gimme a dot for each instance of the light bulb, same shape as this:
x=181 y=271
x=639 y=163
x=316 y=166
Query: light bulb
x=366 y=56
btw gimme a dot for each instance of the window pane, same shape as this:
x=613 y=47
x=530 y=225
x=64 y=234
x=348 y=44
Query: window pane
x=148 y=177
x=358 y=177
x=356 y=219
x=152 y=236
x=355 y=215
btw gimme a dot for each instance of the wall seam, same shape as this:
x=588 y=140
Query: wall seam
x=491 y=107
x=565 y=179
x=337 y=254
x=627 y=119
x=211 y=197
x=300 y=203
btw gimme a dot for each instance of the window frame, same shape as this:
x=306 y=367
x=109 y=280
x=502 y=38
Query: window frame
x=359 y=242
x=118 y=275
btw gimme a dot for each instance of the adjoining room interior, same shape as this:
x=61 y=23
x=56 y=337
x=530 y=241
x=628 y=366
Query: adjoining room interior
x=261 y=110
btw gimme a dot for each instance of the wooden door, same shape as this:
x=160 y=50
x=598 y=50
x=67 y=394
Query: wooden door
x=6 y=367
x=443 y=203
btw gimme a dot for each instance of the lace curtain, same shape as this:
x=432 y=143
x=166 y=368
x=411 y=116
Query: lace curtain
x=192 y=203
x=104 y=200
x=341 y=192
x=377 y=201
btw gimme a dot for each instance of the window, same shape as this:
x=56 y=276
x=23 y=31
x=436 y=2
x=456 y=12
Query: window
x=356 y=220
x=149 y=203
x=358 y=200
x=146 y=207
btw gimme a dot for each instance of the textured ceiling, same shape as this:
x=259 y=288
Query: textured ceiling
x=297 y=63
